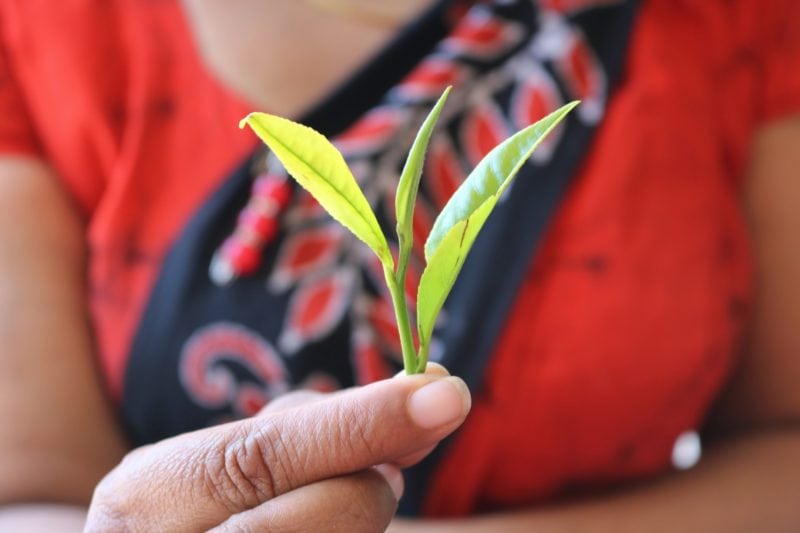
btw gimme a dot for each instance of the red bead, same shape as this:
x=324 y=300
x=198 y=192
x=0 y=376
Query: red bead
x=275 y=188
x=244 y=259
x=266 y=227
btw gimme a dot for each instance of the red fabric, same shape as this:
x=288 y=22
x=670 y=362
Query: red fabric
x=113 y=95
x=628 y=322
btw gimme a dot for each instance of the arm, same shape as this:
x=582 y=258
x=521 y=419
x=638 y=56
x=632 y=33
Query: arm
x=58 y=437
x=750 y=480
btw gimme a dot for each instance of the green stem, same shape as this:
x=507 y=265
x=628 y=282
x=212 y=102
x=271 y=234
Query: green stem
x=422 y=358
x=403 y=256
x=403 y=327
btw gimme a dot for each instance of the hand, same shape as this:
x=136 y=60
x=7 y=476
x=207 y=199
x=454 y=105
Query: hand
x=415 y=525
x=300 y=468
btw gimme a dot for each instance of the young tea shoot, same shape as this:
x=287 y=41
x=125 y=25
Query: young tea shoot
x=321 y=169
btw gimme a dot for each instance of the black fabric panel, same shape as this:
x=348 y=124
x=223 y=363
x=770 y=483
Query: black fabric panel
x=487 y=286
x=154 y=403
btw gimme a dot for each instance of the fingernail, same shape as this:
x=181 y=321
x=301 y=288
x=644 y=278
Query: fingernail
x=394 y=477
x=436 y=369
x=438 y=403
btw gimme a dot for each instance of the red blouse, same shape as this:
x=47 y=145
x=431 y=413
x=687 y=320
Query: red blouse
x=630 y=317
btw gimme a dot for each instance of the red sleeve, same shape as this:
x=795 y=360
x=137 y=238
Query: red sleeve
x=778 y=42
x=16 y=132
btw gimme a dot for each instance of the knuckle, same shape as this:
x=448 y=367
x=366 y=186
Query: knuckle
x=248 y=469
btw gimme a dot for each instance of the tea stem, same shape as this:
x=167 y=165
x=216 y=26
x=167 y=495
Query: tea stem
x=397 y=291
x=422 y=359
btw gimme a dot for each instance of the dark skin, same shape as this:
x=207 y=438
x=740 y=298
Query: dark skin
x=64 y=439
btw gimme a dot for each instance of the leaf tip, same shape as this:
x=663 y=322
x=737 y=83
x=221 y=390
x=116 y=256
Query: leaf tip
x=245 y=121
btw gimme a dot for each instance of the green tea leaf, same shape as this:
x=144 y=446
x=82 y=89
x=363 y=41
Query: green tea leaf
x=407 y=187
x=320 y=168
x=492 y=176
x=444 y=266
x=462 y=218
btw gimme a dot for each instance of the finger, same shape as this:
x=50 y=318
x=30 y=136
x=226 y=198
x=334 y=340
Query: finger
x=414 y=457
x=361 y=502
x=290 y=400
x=199 y=479
x=394 y=477
x=300 y=397
x=380 y=423
x=431 y=369
x=293 y=399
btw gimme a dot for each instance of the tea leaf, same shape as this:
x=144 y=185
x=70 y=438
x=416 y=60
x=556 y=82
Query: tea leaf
x=320 y=168
x=462 y=218
x=492 y=176
x=407 y=188
x=443 y=267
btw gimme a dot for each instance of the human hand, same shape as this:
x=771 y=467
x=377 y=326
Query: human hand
x=416 y=525
x=306 y=467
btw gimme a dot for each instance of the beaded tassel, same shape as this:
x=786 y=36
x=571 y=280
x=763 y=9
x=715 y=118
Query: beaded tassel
x=256 y=227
